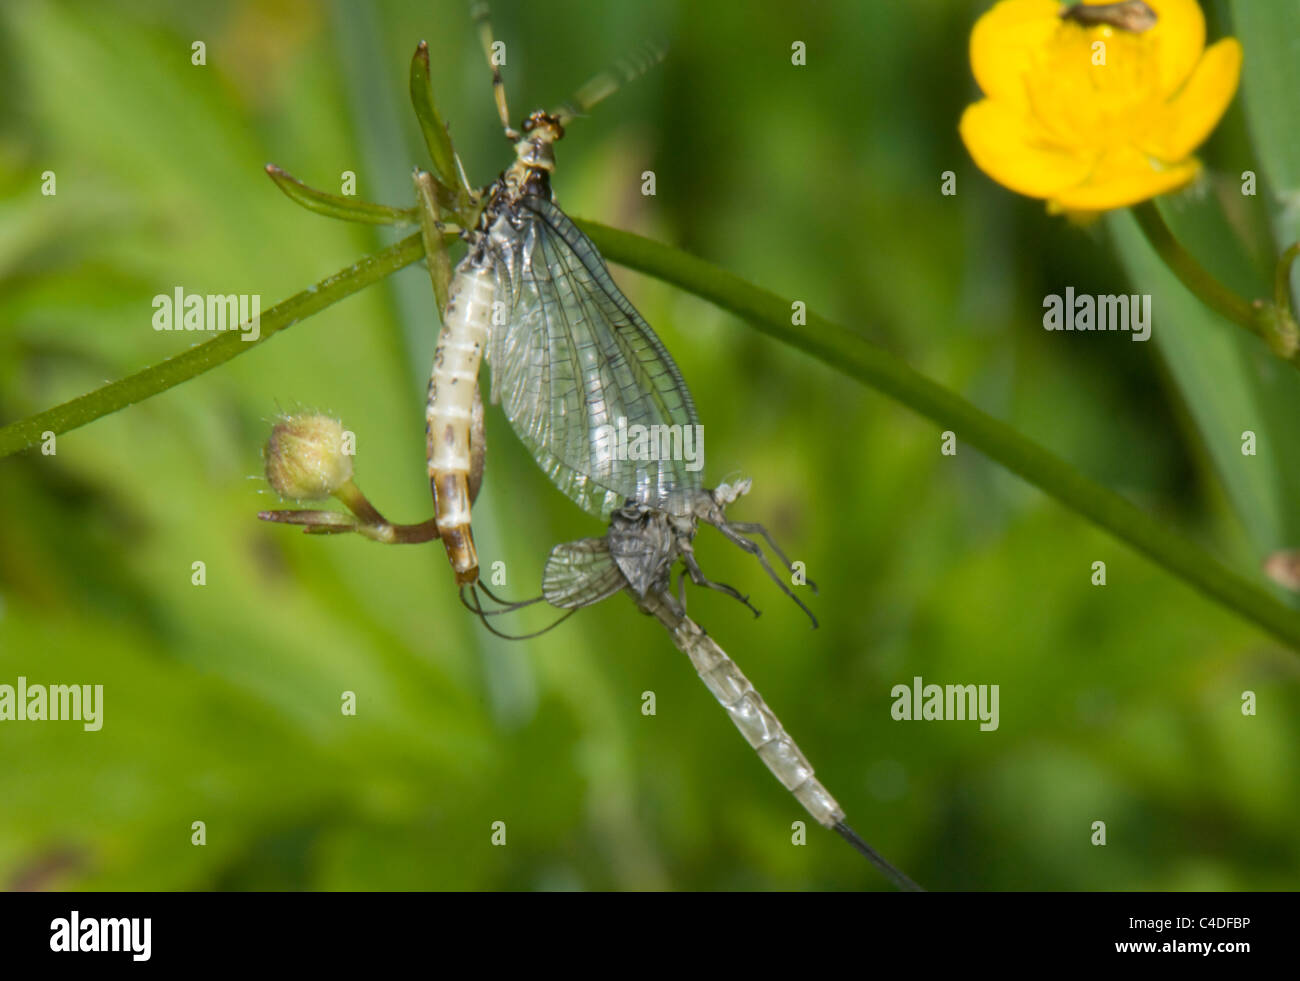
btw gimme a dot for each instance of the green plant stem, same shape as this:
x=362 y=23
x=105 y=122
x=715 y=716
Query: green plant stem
x=435 y=248
x=837 y=346
x=195 y=361
x=1271 y=323
x=1282 y=277
x=846 y=351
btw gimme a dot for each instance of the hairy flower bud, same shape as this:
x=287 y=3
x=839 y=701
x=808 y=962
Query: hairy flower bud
x=305 y=458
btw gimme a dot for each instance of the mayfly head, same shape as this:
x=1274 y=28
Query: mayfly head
x=535 y=147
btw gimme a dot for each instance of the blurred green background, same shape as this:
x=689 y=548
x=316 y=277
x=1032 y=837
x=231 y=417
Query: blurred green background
x=222 y=702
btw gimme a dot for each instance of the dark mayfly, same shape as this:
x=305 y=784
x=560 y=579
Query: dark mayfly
x=637 y=554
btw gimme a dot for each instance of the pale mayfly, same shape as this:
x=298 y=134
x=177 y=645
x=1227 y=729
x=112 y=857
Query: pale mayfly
x=637 y=554
x=572 y=361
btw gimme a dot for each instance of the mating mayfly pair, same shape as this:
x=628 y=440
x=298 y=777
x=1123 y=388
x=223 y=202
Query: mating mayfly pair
x=570 y=360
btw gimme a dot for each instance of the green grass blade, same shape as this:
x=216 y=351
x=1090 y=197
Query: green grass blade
x=434 y=129
x=334 y=206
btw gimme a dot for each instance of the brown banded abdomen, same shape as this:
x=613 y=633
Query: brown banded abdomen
x=453 y=384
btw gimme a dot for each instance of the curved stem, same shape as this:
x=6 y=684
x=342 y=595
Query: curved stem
x=204 y=357
x=1191 y=273
x=1282 y=277
x=837 y=346
x=857 y=357
x=1272 y=324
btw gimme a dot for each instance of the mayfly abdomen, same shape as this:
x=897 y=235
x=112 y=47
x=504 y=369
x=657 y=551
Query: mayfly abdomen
x=452 y=386
x=750 y=714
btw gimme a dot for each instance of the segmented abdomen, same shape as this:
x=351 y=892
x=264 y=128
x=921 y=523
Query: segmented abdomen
x=452 y=384
x=750 y=714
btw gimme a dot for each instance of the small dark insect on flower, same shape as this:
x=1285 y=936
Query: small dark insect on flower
x=1130 y=15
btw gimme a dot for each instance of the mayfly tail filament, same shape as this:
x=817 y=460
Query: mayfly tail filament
x=469 y=599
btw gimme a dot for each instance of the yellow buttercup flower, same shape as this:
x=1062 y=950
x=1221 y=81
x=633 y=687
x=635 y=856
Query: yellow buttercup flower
x=1091 y=118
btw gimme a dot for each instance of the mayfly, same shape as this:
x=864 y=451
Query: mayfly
x=642 y=543
x=571 y=358
x=637 y=554
x=1128 y=15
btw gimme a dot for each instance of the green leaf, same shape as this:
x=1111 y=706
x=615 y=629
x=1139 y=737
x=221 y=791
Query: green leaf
x=334 y=206
x=434 y=129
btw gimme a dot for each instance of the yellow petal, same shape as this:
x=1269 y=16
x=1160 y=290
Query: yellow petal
x=1126 y=177
x=1005 y=42
x=1187 y=121
x=1176 y=41
x=1080 y=219
x=1004 y=145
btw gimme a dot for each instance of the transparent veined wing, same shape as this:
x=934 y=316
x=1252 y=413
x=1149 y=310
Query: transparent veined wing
x=580 y=573
x=575 y=365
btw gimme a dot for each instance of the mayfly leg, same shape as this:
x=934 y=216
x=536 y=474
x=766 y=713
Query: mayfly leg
x=754 y=528
x=759 y=725
x=700 y=579
x=482 y=17
x=604 y=84
x=732 y=532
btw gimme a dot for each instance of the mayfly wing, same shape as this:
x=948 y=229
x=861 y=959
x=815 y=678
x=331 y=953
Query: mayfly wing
x=576 y=368
x=580 y=573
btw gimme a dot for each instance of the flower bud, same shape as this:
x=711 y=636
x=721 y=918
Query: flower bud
x=305 y=459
